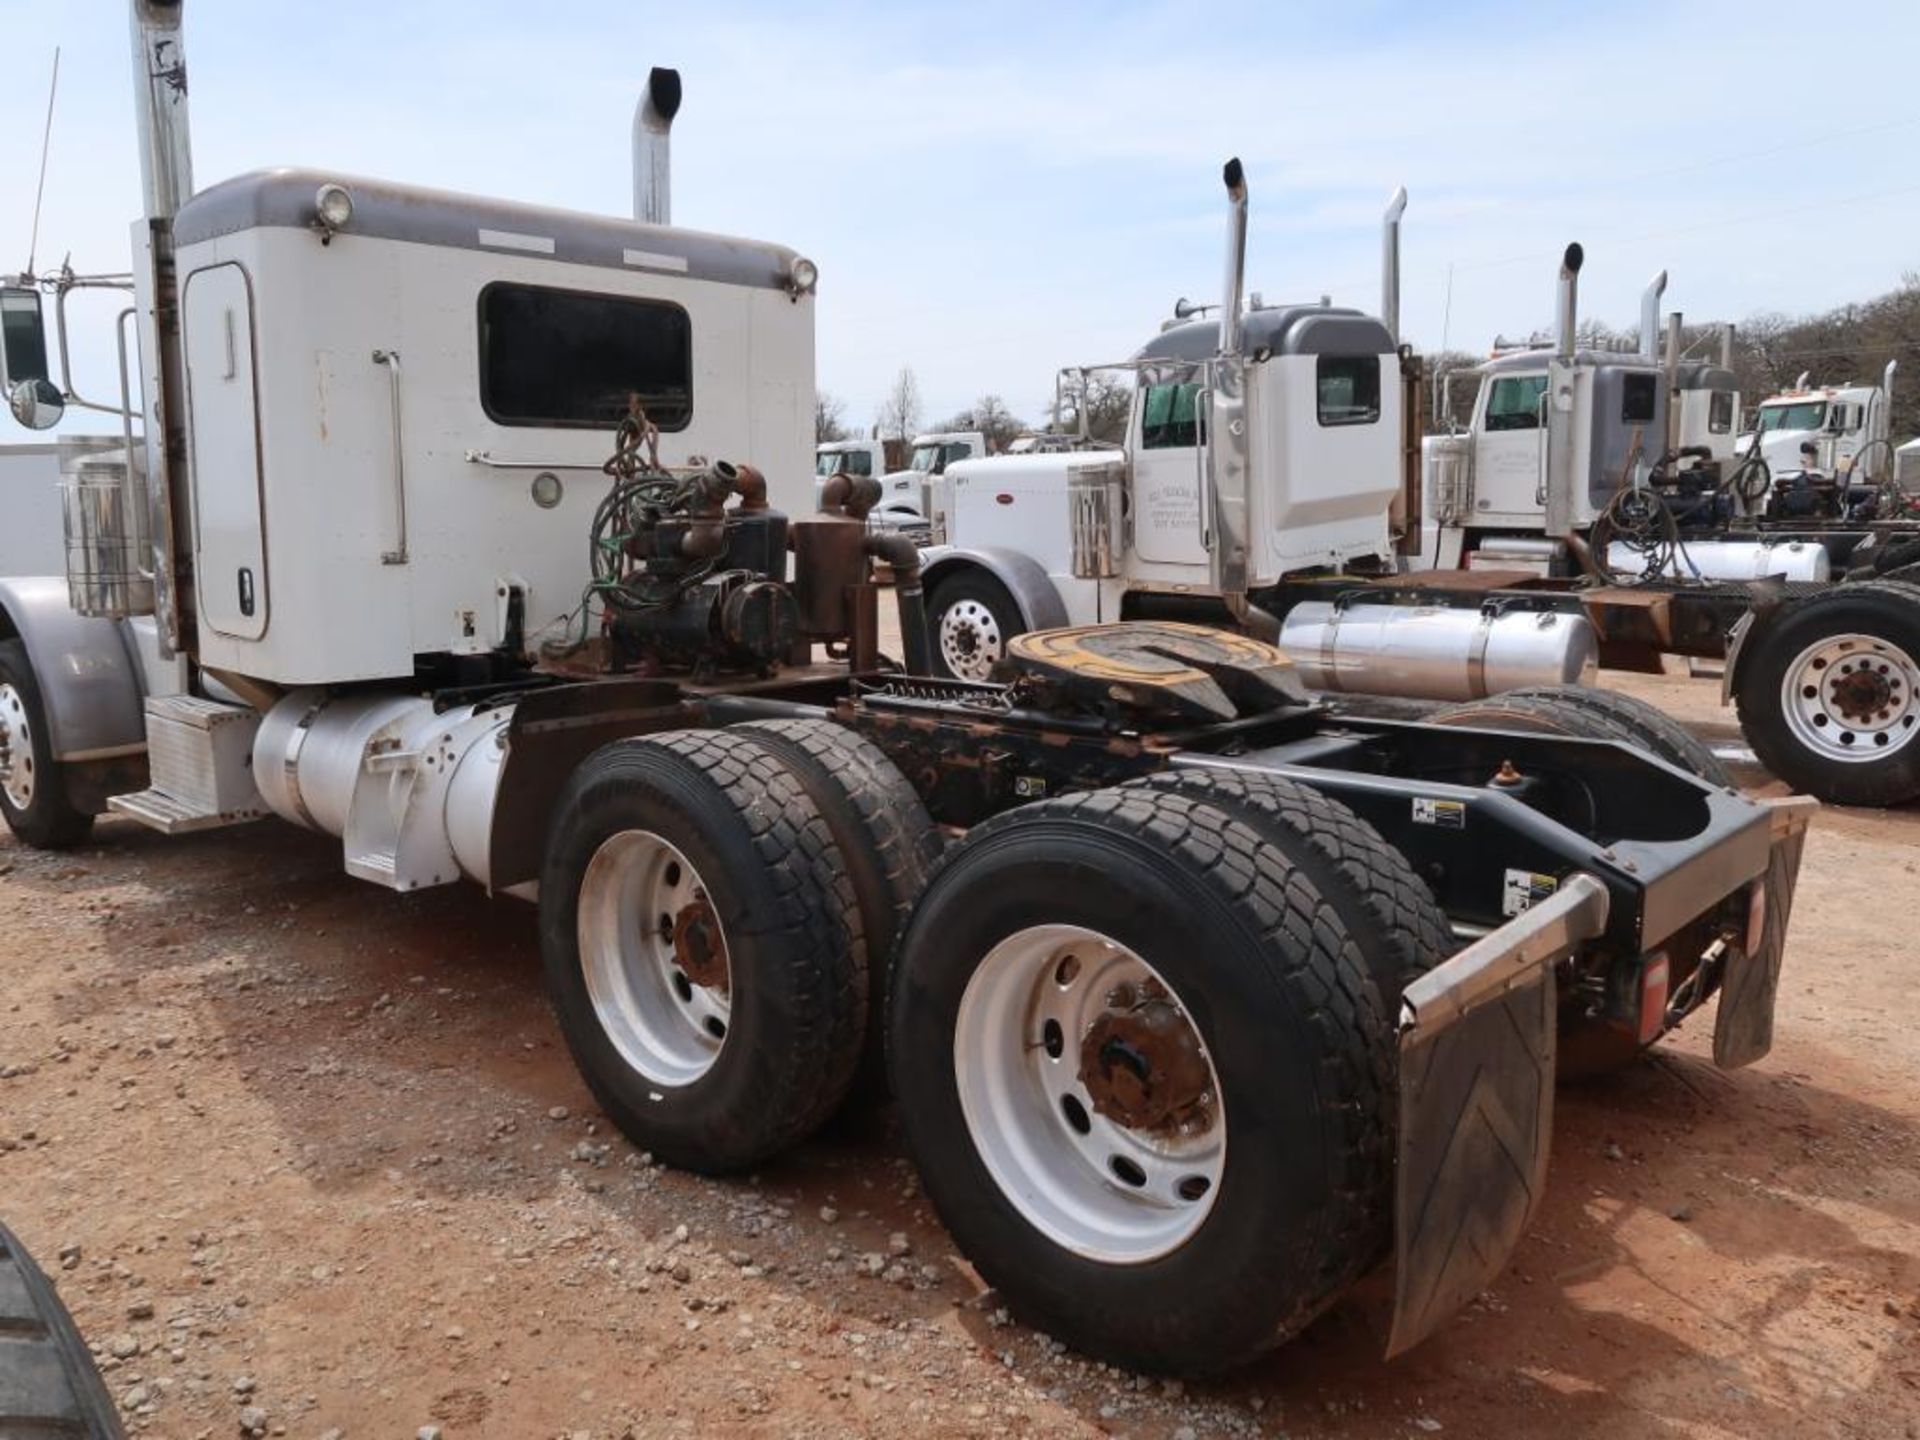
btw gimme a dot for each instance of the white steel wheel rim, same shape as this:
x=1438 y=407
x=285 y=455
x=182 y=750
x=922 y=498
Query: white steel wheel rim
x=1852 y=698
x=970 y=639
x=16 y=748
x=1096 y=1187
x=663 y=1024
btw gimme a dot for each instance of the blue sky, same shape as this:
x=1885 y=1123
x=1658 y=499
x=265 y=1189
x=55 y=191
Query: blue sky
x=995 y=190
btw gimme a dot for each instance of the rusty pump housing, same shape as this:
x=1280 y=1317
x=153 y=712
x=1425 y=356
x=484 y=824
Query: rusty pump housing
x=694 y=584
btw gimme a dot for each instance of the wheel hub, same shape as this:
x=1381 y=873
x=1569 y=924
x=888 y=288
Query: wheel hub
x=16 y=749
x=1143 y=1067
x=1862 y=694
x=1089 y=1094
x=1852 y=698
x=970 y=639
x=698 y=946
x=654 y=957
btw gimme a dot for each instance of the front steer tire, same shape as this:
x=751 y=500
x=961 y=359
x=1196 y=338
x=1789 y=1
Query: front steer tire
x=1280 y=997
x=795 y=981
x=47 y=820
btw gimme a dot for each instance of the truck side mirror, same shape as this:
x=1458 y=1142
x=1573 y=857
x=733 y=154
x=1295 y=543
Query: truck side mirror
x=36 y=404
x=23 y=337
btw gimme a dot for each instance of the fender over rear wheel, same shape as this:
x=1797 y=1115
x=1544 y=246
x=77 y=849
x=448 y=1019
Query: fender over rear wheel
x=702 y=947
x=1144 y=1073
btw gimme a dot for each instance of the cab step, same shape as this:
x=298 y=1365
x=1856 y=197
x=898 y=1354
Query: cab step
x=200 y=760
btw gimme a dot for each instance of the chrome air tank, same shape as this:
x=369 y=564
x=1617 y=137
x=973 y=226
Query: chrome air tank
x=1731 y=560
x=1435 y=652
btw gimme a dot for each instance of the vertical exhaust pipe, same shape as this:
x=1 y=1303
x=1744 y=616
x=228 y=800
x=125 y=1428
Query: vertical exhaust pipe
x=1673 y=382
x=160 y=107
x=1236 y=181
x=652 y=163
x=1390 y=264
x=1726 y=347
x=1650 y=317
x=1568 y=320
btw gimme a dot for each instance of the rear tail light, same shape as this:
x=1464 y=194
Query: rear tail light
x=1653 y=999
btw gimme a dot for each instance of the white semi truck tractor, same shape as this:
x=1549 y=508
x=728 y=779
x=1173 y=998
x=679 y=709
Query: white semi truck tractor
x=1215 y=999
x=1322 y=480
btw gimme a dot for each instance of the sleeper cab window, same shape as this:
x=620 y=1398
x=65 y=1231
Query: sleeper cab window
x=1639 y=396
x=564 y=359
x=1169 y=420
x=1349 y=389
x=1514 y=402
x=1720 y=412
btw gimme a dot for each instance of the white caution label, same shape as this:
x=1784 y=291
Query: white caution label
x=1524 y=889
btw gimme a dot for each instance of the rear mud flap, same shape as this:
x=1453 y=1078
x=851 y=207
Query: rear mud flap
x=1743 y=1025
x=1477 y=1047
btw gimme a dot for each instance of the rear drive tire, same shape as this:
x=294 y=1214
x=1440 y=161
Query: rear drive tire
x=1145 y=1076
x=702 y=946
x=1589 y=1045
x=970 y=618
x=33 y=796
x=1557 y=710
x=1829 y=693
x=1387 y=909
x=886 y=839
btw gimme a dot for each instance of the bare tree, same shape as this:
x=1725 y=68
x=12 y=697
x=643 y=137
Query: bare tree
x=991 y=417
x=1106 y=401
x=899 y=417
x=828 y=417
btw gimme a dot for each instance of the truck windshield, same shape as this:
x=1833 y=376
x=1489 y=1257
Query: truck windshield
x=1170 y=420
x=844 y=462
x=1514 y=403
x=934 y=459
x=1803 y=415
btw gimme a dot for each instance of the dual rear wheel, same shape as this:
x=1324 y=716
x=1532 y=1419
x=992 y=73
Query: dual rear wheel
x=1142 y=1038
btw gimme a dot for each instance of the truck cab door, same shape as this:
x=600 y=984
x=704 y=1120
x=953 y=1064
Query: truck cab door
x=223 y=444
x=1165 y=441
x=1510 y=446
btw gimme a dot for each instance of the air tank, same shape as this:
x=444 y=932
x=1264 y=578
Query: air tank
x=1435 y=652
x=1731 y=560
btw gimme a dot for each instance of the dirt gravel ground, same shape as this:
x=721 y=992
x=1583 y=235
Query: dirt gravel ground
x=309 y=1157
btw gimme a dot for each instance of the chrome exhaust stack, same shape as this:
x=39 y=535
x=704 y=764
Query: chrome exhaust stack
x=1673 y=381
x=1568 y=320
x=1390 y=264
x=1726 y=347
x=652 y=127
x=160 y=107
x=1227 y=450
x=1650 y=317
x=1231 y=295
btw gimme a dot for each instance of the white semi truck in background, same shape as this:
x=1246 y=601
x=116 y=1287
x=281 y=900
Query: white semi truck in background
x=1189 y=913
x=1850 y=427
x=1327 y=450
